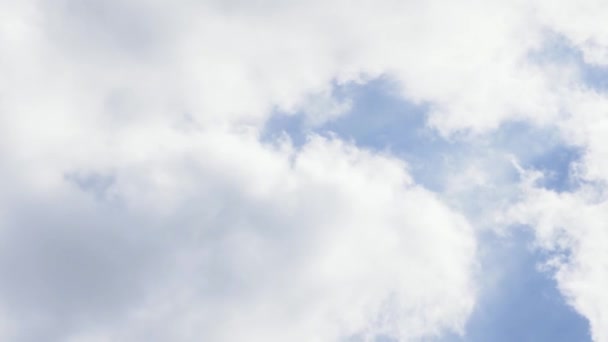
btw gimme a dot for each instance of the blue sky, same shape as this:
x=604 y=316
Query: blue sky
x=518 y=301
x=523 y=303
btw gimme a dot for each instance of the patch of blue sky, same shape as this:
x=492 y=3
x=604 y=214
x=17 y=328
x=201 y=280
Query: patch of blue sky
x=542 y=150
x=96 y=183
x=381 y=120
x=557 y=49
x=518 y=302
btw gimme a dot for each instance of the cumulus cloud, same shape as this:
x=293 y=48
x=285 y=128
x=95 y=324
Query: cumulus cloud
x=581 y=24
x=571 y=228
x=241 y=242
x=138 y=201
x=467 y=59
x=570 y=225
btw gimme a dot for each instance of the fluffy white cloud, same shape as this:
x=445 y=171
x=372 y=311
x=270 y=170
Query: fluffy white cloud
x=581 y=23
x=225 y=239
x=469 y=60
x=235 y=61
x=135 y=125
x=139 y=204
x=572 y=228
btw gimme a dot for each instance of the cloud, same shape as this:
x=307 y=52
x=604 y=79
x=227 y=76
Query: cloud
x=581 y=25
x=245 y=241
x=136 y=190
x=570 y=227
x=198 y=58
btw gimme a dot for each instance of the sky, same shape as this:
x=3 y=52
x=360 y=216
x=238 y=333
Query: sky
x=306 y=171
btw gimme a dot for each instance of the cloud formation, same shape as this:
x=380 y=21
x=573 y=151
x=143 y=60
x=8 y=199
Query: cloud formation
x=140 y=203
x=244 y=241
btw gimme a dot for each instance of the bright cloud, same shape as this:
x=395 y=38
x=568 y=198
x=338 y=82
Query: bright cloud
x=139 y=201
x=225 y=239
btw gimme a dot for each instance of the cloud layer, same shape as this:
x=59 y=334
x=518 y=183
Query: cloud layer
x=140 y=202
x=243 y=242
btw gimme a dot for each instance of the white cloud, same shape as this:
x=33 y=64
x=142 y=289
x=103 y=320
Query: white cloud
x=139 y=203
x=572 y=227
x=581 y=23
x=146 y=114
x=230 y=61
x=225 y=239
